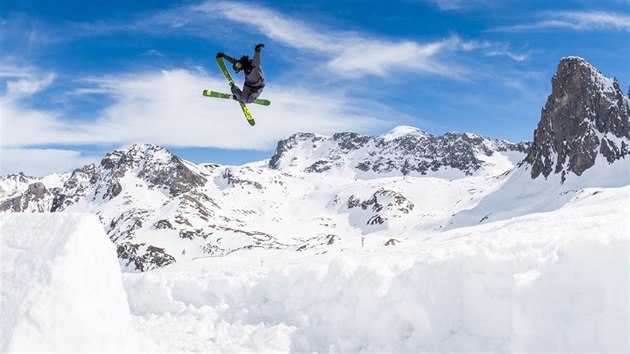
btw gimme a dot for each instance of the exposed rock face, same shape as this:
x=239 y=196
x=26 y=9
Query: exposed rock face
x=142 y=257
x=406 y=152
x=585 y=116
x=153 y=164
x=381 y=206
x=75 y=188
x=36 y=199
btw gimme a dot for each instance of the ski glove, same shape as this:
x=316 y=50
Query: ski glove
x=258 y=46
x=220 y=54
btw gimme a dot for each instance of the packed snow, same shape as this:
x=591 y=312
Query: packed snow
x=547 y=282
x=543 y=282
x=61 y=287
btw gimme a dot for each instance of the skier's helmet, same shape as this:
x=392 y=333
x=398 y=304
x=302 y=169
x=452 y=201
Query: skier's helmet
x=246 y=64
x=238 y=66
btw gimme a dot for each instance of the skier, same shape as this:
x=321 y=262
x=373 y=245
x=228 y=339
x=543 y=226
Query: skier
x=254 y=76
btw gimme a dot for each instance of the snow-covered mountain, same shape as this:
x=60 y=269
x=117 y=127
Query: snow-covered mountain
x=159 y=209
x=347 y=190
x=402 y=151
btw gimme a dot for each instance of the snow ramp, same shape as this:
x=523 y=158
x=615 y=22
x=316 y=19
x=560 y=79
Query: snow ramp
x=61 y=286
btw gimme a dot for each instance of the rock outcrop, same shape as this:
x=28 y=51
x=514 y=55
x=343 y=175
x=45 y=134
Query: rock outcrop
x=586 y=117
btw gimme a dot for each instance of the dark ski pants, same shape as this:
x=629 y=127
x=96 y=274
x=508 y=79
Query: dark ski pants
x=247 y=95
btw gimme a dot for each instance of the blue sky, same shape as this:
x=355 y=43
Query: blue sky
x=79 y=79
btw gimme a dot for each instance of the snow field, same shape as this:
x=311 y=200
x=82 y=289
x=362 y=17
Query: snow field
x=61 y=286
x=520 y=195
x=546 y=270
x=548 y=282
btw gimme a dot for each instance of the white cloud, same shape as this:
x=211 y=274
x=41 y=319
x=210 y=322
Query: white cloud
x=22 y=126
x=492 y=49
x=459 y=5
x=379 y=58
x=27 y=86
x=40 y=162
x=449 y=4
x=10 y=71
x=168 y=108
x=153 y=53
x=596 y=20
x=576 y=20
x=349 y=53
x=23 y=81
x=346 y=53
x=25 y=126
x=507 y=53
x=273 y=25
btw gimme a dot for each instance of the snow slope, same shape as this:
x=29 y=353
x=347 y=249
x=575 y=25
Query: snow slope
x=61 y=286
x=546 y=282
x=520 y=194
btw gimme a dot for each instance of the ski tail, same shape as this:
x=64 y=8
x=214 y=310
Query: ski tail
x=247 y=114
x=210 y=93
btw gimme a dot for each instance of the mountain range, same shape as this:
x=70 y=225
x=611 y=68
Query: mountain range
x=347 y=190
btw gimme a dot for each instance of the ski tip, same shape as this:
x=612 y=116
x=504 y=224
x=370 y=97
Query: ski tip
x=207 y=92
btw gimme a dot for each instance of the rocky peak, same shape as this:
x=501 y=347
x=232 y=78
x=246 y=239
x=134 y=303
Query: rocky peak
x=136 y=156
x=350 y=141
x=585 y=116
x=155 y=165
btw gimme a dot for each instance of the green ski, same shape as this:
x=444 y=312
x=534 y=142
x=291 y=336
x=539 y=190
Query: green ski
x=226 y=73
x=229 y=96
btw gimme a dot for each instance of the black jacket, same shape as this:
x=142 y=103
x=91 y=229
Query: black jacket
x=254 y=76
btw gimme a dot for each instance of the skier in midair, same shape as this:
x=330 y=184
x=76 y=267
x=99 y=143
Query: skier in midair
x=254 y=76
